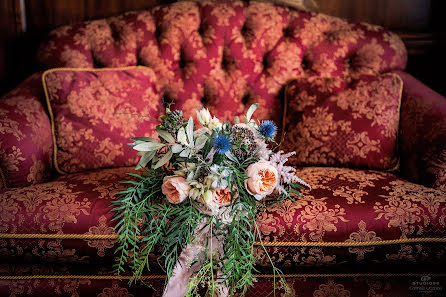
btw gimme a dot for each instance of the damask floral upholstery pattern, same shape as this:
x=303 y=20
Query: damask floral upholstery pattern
x=423 y=134
x=391 y=209
x=25 y=135
x=300 y=286
x=94 y=114
x=227 y=55
x=354 y=124
x=79 y=204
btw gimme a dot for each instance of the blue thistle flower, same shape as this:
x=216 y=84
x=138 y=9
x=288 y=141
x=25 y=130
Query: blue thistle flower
x=222 y=144
x=268 y=130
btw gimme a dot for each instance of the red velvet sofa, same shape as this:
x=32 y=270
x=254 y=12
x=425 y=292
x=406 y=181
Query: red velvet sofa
x=358 y=232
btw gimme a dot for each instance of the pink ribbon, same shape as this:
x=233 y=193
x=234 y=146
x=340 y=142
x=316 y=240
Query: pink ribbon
x=183 y=270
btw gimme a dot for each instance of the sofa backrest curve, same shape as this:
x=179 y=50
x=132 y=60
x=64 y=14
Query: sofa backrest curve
x=217 y=53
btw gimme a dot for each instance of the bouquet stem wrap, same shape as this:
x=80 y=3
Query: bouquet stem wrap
x=189 y=262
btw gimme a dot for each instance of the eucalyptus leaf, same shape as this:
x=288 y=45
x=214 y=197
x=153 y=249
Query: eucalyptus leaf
x=190 y=176
x=182 y=136
x=251 y=110
x=144 y=139
x=176 y=148
x=148 y=146
x=164 y=159
x=190 y=131
x=201 y=140
x=185 y=153
x=166 y=135
x=146 y=158
x=231 y=157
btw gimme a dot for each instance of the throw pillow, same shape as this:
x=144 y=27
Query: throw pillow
x=353 y=125
x=95 y=112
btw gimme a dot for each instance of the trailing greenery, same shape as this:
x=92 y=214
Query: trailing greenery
x=202 y=185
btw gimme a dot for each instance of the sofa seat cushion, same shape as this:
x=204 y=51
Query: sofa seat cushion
x=350 y=216
x=356 y=216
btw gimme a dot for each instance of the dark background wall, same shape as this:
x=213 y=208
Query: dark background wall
x=24 y=23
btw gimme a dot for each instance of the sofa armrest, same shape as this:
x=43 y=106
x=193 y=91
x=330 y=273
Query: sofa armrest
x=422 y=136
x=25 y=135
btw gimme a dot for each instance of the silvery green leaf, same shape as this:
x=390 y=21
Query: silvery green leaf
x=201 y=140
x=137 y=142
x=231 y=156
x=190 y=176
x=236 y=120
x=136 y=139
x=251 y=110
x=146 y=158
x=164 y=159
x=166 y=135
x=182 y=136
x=185 y=153
x=176 y=148
x=190 y=131
x=148 y=146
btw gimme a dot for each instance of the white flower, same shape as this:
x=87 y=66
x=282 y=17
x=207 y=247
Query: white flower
x=204 y=116
x=215 y=124
x=220 y=176
x=264 y=152
x=194 y=193
x=208 y=195
x=185 y=169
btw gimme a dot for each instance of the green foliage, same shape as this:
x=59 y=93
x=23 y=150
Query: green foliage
x=180 y=233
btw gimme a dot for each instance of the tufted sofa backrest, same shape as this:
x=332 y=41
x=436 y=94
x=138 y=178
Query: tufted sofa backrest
x=227 y=55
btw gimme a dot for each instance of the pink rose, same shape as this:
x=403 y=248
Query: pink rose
x=223 y=196
x=175 y=188
x=262 y=179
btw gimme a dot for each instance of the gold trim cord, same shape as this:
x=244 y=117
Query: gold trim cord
x=267 y=244
x=145 y=277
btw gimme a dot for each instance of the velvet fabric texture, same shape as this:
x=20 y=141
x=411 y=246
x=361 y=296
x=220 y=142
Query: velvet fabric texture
x=352 y=124
x=94 y=113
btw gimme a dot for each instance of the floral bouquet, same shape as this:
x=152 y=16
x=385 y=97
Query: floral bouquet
x=196 y=202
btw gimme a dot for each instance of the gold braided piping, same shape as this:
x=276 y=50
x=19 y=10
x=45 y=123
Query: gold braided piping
x=300 y=275
x=62 y=236
x=351 y=244
x=266 y=244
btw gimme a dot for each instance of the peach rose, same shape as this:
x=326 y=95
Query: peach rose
x=223 y=196
x=262 y=179
x=175 y=188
